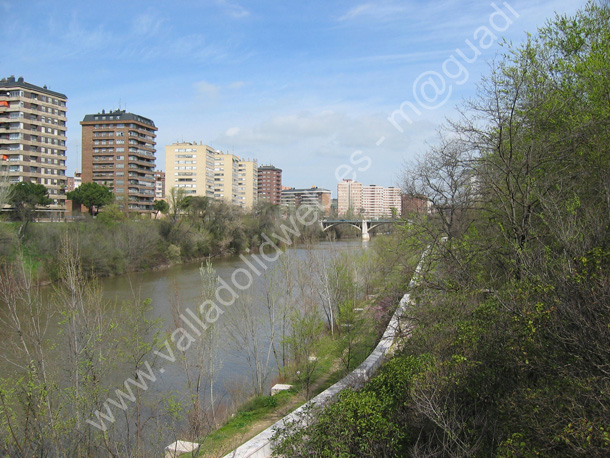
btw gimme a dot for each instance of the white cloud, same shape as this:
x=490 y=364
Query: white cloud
x=214 y=91
x=379 y=11
x=356 y=11
x=207 y=89
x=233 y=9
x=146 y=25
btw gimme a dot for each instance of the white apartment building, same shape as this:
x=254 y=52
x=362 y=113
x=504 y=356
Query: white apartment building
x=369 y=201
x=190 y=166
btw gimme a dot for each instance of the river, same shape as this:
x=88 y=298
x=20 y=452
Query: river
x=232 y=374
x=185 y=280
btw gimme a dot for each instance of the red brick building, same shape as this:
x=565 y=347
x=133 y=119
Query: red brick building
x=118 y=151
x=270 y=184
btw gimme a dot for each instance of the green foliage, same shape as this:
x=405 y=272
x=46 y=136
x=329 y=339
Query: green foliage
x=25 y=197
x=512 y=304
x=363 y=423
x=111 y=215
x=161 y=206
x=92 y=195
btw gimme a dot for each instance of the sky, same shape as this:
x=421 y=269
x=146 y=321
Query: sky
x=308 y=86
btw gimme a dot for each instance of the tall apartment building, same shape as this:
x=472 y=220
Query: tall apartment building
x=247 y=183
x=270 y=184
x=225 y=177
x=202 y=171
x=392 y=201
x=313 y=197
x=33 y=138
x=118 y=151
x=235 y=179
x=190 y=166
x=349 y=198
x=370 y=201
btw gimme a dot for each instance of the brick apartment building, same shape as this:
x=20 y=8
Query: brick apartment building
x=313 y=197
x=270 y=184
x=118 y=150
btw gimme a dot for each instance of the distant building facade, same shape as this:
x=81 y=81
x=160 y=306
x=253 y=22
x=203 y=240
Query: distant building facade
x=33 y=138
x=190 y=166
x=270 y=184
x=159 y=184
x=370 y=201
x=225 y=177
x=349 y=197
x=312 y=197
x=73 y=182
x=415 y=204
x=203 y=171
x=392 y=201
x=247 y=183
x=118 y=151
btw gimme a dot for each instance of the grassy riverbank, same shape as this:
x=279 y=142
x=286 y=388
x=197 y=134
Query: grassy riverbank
x=95 y=400
x=261 y=412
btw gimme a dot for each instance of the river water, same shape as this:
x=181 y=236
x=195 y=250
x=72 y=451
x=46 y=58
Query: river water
x=232 y=378
x=232 y=374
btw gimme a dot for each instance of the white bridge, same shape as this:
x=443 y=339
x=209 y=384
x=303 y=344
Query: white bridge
x=363 y=224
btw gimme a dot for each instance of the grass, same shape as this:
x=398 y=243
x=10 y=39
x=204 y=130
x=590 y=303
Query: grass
x=266 y=409
x=253 y=411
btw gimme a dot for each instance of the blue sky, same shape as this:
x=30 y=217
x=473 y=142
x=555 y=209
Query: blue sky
x=307 y=86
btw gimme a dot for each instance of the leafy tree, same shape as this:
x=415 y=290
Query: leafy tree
x=24 y=197
x=92 y=195
x=111 y=215
x=160 y=206
x=196 y=206
x=513 y=305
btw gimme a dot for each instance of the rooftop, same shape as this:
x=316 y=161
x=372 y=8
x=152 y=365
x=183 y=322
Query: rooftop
x=11 y=82
x=269 y=167
x=117 y=115
x=305 y=190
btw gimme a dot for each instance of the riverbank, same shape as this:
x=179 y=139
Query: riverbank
x=107 y=248
x=127 y=325
x=261 y=412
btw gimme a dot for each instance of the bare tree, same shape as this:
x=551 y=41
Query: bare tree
x=200 y=360
x=244 y=325
x=446 y=176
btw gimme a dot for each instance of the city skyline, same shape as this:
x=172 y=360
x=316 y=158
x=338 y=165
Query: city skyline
x=306 y=87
